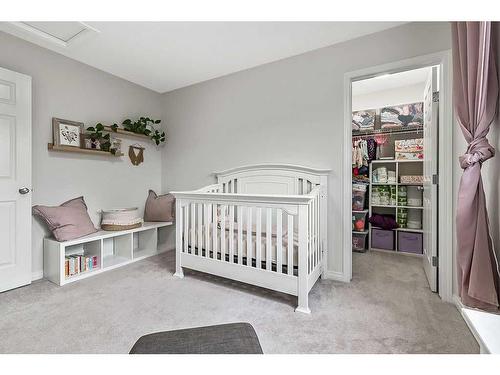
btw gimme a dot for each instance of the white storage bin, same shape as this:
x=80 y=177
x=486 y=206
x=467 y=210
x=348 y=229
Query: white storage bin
x=414 y=196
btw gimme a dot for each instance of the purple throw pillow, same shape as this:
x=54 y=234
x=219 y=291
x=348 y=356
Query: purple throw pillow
x=159 y=207
x=68 y=221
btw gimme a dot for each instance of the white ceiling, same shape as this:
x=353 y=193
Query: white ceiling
x=164 y=56
x=390 y=81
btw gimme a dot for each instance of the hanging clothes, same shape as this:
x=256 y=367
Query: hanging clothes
x=372 y=149
x=360 y=153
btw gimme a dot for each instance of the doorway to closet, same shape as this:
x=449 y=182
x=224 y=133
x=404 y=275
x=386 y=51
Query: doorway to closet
x=394 y=147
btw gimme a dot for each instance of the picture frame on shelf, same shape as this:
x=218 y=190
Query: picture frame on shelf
x=67 y=133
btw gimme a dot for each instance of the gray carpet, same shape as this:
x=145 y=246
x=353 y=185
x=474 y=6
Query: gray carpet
x=386 y=309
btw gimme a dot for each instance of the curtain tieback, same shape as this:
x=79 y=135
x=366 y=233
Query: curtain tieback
x=479 y=151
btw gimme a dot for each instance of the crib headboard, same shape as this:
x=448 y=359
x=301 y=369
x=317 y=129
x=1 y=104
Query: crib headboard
x=283 y=179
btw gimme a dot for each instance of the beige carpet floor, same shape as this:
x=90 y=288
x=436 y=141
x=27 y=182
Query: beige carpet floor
x=387 y=308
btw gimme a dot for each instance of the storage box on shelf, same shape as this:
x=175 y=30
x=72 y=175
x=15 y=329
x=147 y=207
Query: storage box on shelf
x=359 y=241
x=397 y=197
x=109 y=249
x=382 y=239
x=359 y=190
x=359 y=220
x=410 y=242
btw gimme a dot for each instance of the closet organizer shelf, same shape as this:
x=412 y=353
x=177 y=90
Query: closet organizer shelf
x=413 y=129
x=393 y=208
x=113 y=249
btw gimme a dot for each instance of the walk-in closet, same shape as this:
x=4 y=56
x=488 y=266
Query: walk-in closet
x=394 y=159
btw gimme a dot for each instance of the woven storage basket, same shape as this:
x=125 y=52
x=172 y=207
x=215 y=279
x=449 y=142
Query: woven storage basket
x=121 y=219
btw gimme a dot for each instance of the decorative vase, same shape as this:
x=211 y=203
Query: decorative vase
x=88 y=143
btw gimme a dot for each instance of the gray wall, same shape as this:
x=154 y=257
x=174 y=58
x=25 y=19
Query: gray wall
x=68 y=89
x=289 y=111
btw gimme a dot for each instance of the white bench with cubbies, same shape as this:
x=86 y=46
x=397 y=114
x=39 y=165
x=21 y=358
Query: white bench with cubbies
x=112 y=249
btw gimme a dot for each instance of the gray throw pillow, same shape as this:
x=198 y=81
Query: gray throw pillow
x=159 y=207
x=68 y=221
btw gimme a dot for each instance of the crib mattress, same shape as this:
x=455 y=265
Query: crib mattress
x=194 y=242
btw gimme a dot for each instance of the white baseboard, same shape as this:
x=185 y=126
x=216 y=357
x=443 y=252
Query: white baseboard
x=37 y=275
x=335 y=275
x=458 y=302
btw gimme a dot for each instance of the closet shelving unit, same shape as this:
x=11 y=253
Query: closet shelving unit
x=394 y=165
x=417 y=131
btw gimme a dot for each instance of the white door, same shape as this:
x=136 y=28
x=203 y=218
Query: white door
x=15 y=179
x=430 y=196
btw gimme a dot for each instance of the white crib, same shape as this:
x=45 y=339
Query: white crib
x=264 y=225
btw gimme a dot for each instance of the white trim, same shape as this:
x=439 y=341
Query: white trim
x=458 y=302
x=31 y=33
x=334 y=275
x=36 y=275
x=443 y=59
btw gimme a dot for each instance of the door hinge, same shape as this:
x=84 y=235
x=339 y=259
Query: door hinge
x=435 y=179
x=435 y=261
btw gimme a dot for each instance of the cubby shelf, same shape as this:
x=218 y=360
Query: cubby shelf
x=113 y=249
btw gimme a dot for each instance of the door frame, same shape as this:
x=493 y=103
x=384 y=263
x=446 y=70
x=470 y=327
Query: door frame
x=445 y=169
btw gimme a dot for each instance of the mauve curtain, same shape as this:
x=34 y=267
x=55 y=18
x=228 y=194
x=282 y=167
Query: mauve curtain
x=475 y=95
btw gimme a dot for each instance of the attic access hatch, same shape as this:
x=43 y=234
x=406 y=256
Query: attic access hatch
x=60 y=33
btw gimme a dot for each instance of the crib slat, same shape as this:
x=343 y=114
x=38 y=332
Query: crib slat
x=317 y=232
x=304 y=186
x=214 y=231
x=258 y=238
x=186 y=228
x=290 y=245
x=193 y=228
x=314 y=253
x=240 y=235
x=279 y=238
x=231 y=234
x=310 y=245
x=206 y=227
x=315 y=237
x=268 y=238
x=200 y=229
x=223 y=233
x=249 y=236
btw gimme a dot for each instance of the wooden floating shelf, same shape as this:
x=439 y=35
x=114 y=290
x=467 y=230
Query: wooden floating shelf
x=126 y=132
x=52 y=147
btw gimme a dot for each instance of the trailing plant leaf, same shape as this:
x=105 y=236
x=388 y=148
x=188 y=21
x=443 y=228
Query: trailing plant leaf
x=145 y=126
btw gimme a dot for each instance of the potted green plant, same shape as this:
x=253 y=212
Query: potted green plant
x=145 y=125
x=98 y=140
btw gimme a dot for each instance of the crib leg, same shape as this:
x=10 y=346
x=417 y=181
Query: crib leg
x=178 y=271
x=178 y=239
x=178 y=267
x=303 y=299
x=303 y=306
